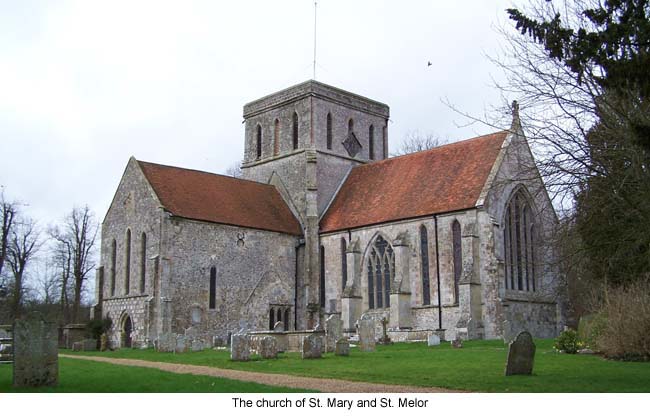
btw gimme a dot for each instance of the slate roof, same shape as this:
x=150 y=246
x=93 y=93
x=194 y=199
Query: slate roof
x=443 y=179
x=221 y=199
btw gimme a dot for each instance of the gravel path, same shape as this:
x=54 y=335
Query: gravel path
x=318 y=384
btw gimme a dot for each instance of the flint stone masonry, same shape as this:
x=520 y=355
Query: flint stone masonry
x=342 y=347
x=268 y=348
x=521 y=355
x=35 y=352
x=240 y=347
x=312 y=347
x=367 y=335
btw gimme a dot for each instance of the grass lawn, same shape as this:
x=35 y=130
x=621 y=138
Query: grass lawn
x=86 y=376
x=478 y=366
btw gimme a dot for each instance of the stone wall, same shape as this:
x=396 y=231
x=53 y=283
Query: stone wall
x=253 y=273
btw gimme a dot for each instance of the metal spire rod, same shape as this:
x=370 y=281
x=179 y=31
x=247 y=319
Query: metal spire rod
x=314 y=40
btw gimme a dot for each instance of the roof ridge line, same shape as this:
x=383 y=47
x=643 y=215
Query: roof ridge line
x=202 y=172
x=433 y=149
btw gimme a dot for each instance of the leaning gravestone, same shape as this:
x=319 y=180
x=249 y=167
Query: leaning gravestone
x=457 y=343
x=182 y=344
x=332 y=332
x=366 y=335
x=342 y=347
x=433 y=340
x=312 y=347
x=240 y=349
x=268 y=348
x=278 y=327
x=521 y=355
x=36 y=352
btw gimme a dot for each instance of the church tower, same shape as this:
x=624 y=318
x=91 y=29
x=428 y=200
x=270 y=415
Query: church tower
x=304 y=140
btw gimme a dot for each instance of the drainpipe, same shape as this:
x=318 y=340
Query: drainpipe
x=435 y=225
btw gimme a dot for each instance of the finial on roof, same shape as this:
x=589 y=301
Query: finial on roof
x=516 y=123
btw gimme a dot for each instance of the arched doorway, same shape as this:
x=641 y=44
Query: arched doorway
x=127 y=328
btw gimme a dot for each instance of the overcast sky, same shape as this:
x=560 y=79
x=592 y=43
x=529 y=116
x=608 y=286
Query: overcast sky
x=86 y=84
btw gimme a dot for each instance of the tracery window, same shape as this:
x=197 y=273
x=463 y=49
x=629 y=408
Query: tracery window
x=258 y=146
x=381 y=270
x=424 y=258
x=329 y=131
x=371 y=142
x=457 y=250
x=519 y=241
x=295 y=130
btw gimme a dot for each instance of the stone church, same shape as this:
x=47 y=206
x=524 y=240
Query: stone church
x=323 y=222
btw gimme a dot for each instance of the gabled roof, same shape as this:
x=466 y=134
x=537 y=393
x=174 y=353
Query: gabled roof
x=439 y=180
x=216 y=198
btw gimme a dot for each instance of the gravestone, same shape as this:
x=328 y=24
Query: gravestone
x=197 y=345
x=366 y=335
x=312 y=346
x=279 y=327
x=89 y=345
x=342 y=347
x=77 y=346
x=181 y=344
x=433 y=340
x=457 y=343
x=103 y=342
x=385 y=340
x=166 y=342
x=36 y=352
x=268 y=348
x=333 y=327
x=521 y=355
x=240 y=349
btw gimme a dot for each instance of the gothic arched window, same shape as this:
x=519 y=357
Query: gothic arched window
x=519 y=241
x=271 y=318
x=127 y=262
x=329 y=131
x=143 y=261
x=381 y=270
x=344 y=264
x=457 y=251
x=276 y=137
x=213 y=288
x=295 y=130
x=424 y=258
x=113 y=265
x=322 y=277
x=258 y=143
x=371 y=142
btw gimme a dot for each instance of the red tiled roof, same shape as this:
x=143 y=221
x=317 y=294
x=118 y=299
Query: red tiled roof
x=220 y=199
x=438 y=180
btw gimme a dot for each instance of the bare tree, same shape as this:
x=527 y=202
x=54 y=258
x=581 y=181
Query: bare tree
x=74 y=252
x=414 y=141
x=8 y=212
x=23 y=245
x=234 y=170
